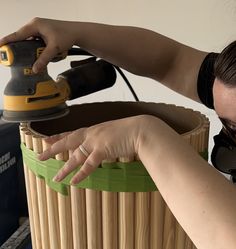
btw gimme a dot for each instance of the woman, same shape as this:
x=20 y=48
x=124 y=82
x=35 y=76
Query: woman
x=201 y=199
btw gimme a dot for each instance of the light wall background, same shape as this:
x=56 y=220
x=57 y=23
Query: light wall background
x=206 y=25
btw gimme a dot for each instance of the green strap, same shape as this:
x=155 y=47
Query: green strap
x=114 y=177
x=204 y=154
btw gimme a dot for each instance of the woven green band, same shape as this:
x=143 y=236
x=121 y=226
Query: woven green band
x=114 y=177
x=204 y=154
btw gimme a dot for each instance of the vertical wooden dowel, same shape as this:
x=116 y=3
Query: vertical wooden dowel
x=200 y=143
x=194 y=247
x=205 y=136
x=42 y=198
x=53 y=216
x=187 y=138
x=126 y=220
x=22 y=130
x=179 y=237
x=29 y=199
x=65 y=223
x=126 y=216
x=109 y=218
x=188 y=243
x=157 y=220
x=94 y=219
x=79 y=223
x=193 y=141
x=169 y=230
x=78 y=212
x=206 y=127
x=197 y=142
x=64 y=210
x=200 y=138
x=34 y=195
x=142 y=220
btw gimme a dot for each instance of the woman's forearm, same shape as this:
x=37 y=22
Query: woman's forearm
x=202 y=200
x=144 y=52
x=138 y=50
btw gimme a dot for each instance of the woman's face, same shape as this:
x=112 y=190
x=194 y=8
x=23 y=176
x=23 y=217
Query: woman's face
x=225 y=102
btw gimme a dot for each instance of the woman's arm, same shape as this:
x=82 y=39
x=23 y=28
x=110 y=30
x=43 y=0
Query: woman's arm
x=140 y=51
x=201 y=199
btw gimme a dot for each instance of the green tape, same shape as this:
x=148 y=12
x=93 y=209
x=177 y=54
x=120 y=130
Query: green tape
x=114 y=177
x=204 y=154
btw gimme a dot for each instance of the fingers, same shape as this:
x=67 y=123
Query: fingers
x=9 y=38
x=47 y=55
x=72 y=141
x=56 y=148
x=89 y=164
x=53 y=139
x=23 y=33
x=74 y=161
x=36 y=28
x=64 y=142
x=92 y=162
x=89 y=146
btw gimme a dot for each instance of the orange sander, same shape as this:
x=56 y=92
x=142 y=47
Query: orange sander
x=36 y=97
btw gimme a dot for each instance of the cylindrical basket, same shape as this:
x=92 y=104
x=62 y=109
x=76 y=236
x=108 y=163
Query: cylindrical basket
x=116 y=207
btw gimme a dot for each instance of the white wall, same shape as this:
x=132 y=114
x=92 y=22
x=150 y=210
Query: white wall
x=207 y=25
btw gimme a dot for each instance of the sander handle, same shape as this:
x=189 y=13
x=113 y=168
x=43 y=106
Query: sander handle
x=88 y=78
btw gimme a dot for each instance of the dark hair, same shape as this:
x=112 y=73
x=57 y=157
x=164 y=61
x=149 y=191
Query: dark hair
x=225 y=65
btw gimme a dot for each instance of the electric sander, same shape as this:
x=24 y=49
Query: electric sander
x=35 y=97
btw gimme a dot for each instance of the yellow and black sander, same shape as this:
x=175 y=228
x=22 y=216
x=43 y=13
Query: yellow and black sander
x=35 y=97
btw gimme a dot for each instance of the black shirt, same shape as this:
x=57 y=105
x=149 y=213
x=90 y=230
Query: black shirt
x=206 y=79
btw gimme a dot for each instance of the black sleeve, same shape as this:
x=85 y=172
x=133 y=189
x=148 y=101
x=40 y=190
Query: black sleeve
x=206 y=79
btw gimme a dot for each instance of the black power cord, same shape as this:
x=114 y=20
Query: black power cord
x=127 y=82
x=79 y=51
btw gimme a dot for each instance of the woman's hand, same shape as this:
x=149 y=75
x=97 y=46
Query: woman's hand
x=59 y=37
x=90 y=146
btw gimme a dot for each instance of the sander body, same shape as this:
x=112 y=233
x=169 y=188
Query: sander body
x=35 y=97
